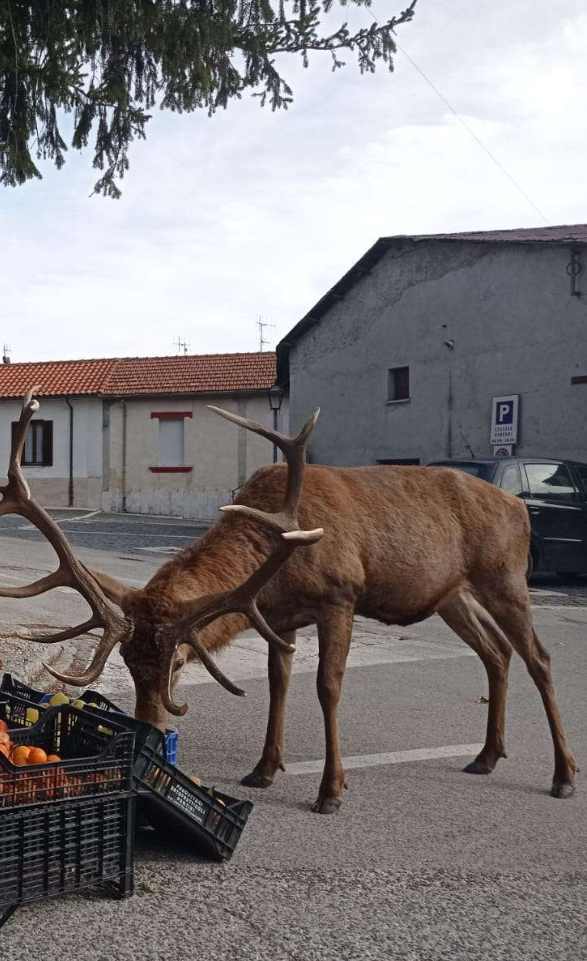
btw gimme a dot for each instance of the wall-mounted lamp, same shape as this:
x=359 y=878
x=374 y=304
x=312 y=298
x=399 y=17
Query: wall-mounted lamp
x=574 y=270
x=275 y=394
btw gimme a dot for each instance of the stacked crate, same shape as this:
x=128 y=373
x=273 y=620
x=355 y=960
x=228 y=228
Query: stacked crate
x=71 y=825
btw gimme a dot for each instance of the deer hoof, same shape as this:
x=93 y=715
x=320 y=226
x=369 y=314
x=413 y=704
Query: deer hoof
x=478 y=767
x=326 y=805
x=257 y=779
x=562 y=789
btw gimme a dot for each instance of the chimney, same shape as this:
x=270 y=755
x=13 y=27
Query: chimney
x=5 y=354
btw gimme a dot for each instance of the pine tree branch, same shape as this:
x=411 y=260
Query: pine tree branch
x=110 y=63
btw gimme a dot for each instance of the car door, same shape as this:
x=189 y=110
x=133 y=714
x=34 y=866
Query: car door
x=557 y=516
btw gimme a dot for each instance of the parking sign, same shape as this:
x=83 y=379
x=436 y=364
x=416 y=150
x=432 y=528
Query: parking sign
x=504 y=419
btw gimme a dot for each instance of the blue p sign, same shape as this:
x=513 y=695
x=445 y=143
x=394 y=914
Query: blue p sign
x=505 y=412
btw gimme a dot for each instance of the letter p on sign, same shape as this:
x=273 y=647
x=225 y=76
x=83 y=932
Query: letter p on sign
x=504 y=413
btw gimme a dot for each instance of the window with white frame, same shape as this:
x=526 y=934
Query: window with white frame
x=38 y=447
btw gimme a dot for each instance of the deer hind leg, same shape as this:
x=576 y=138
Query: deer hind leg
x=334 y=637
x=511 y=608
x=279 y=667
x=475 y=626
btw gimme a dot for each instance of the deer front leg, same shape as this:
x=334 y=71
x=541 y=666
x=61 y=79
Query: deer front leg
x=334 y=635
x=279 y=669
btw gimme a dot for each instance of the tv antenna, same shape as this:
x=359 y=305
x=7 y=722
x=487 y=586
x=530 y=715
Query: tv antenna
x=182 y=346
x=261 y=324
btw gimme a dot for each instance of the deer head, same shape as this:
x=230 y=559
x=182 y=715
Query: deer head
x=150 y=645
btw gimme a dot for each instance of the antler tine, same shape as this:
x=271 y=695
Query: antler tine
x=294 y=451
x=17 y=485
x=17 y=499
x=107 y=644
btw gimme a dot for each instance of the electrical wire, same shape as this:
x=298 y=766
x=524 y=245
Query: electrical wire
x=470 y=131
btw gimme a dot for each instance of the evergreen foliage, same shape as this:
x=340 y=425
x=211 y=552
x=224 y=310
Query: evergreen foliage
x=109 y=62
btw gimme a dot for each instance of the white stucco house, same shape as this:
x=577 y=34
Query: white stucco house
x=136 y=434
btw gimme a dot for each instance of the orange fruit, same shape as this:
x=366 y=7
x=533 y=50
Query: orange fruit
x=52 y=758
x=5 y=749
x=4 y=737
x=20 y=755
x=3 y=726
x=37 y=756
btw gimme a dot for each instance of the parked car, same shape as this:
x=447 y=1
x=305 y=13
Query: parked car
x=555 y=493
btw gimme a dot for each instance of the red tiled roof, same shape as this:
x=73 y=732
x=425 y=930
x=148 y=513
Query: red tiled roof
x=59 y=377
x=128 y=376
x=204 y=374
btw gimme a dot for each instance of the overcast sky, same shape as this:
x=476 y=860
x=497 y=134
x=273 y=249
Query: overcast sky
x=254 y=214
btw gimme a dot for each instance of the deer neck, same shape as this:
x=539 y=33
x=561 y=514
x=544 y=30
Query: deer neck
x=225 y=557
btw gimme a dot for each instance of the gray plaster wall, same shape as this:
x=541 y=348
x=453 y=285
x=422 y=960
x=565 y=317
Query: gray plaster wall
x=516 y=330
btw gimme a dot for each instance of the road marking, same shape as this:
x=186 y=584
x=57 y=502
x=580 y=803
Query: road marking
x=63 y=520
x=539 y=592
x=392 y=757
x=160 y=550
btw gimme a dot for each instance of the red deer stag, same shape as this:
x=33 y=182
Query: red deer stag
x=401 y=543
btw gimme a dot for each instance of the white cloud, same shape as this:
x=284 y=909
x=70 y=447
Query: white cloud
x=254 y=213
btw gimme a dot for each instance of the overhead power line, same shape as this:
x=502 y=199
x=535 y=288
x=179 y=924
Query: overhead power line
x=471 y=132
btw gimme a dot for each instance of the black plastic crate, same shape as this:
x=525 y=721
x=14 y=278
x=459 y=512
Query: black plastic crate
x=94 y=759
x=68 y=825
x=175 y=805
x=166 y=743
x=18 y=713
x=11 y=685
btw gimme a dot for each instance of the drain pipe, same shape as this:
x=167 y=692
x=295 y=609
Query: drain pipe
x=70 y=485
x=123 y=472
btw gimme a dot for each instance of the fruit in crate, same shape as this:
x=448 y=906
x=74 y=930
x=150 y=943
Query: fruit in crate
x=79 y=704
x=20 y=754
x=58 y=698
x=32 y=715
x=37 y=756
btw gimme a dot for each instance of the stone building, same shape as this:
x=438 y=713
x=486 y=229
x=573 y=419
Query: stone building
x=135 y=434
x=408 y=352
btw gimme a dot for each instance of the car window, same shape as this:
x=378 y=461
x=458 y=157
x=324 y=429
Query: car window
x=553 y=480
x=581 y=470
x=484 y=471
x=511 y=479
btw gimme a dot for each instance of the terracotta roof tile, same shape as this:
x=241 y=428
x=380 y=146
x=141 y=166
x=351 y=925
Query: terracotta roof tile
x=206 y=373
x=128 y=376
x=55 y=378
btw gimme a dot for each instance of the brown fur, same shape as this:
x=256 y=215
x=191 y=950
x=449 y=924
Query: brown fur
x=400 y=544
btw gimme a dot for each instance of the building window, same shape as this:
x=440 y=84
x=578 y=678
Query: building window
x=398 y=384
x=171 y=441
x=38 y=447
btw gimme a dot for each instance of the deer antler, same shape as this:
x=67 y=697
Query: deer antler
x=243 y=599
x=17 y=499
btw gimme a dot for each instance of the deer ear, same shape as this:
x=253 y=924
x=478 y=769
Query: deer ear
x=116 y=591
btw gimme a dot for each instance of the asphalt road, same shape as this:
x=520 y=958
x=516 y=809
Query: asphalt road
x=422 y=863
